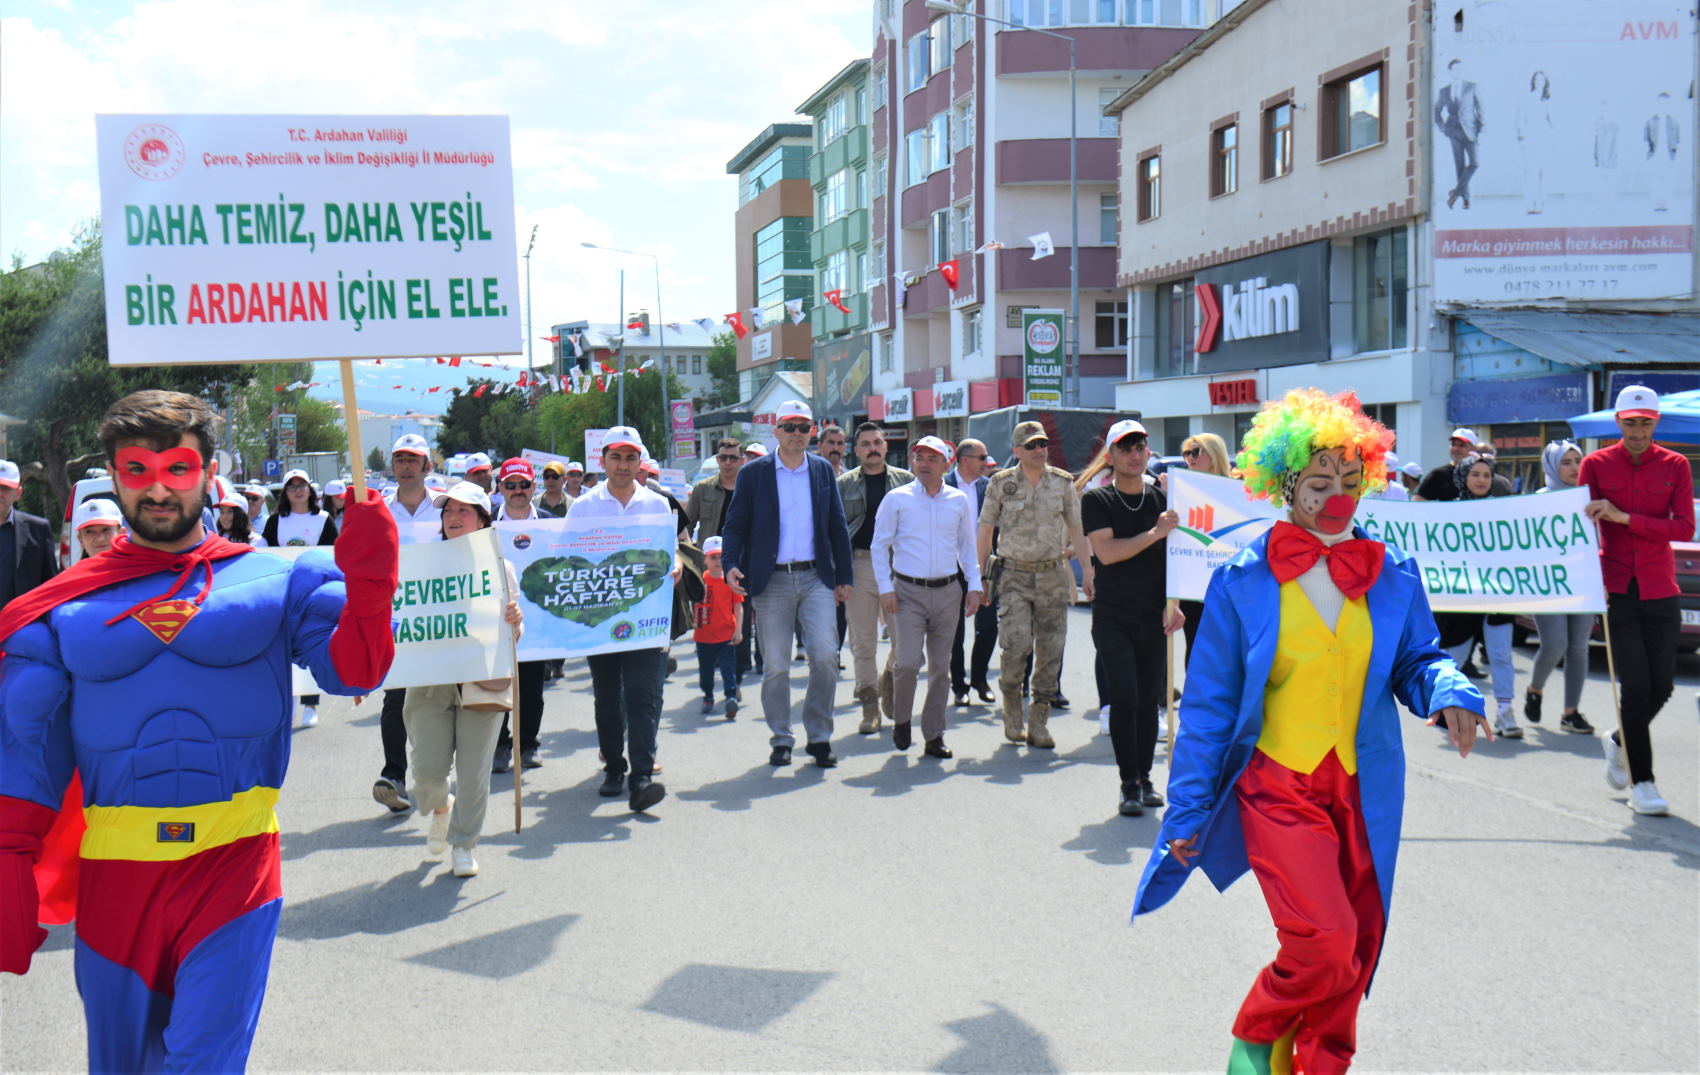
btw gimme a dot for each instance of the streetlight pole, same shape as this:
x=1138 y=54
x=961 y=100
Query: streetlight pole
x=661 y=340
x=960 y=7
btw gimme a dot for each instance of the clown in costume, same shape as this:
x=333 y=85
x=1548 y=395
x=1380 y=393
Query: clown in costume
x=116 y=683
x=1289 y=760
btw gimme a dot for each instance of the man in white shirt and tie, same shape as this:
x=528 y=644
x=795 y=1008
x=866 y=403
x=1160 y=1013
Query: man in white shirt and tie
x=924 y=534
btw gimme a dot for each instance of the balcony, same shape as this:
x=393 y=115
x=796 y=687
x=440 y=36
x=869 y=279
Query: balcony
x=1017 y=271
x=849 y=231
x=849 y=149
x=924 y=198
x=826 y=319
x=1110 y=49
x=1045 y=160
x=931 y=294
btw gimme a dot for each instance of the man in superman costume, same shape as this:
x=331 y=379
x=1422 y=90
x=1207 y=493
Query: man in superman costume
x=118 y=676
x=1289 y=760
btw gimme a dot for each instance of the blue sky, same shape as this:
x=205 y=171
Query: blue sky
x=623 y=115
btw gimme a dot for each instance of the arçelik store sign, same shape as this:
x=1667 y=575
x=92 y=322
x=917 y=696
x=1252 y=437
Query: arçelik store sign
x=1269 y=310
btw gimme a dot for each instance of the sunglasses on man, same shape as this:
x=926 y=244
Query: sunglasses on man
x=728 y=458
x=793 y=427
x=1037 y=442
x=516 y=485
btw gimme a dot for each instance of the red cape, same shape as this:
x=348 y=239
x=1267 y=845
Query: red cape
x=56 y=870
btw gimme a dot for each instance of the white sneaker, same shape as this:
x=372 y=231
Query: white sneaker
x=1644 y=798
x=437 y=838
x=1104 y=720
x=1505 y=723
x=309 y=716
x=1616 y=773
x=464 y=864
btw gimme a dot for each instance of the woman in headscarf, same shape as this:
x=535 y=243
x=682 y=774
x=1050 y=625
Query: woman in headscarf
x=1562 y=636
x=1473 y=477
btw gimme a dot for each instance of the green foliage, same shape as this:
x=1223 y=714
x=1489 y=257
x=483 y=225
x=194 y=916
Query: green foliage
x=722 y=367
x=565 y=416
x=594 y=593
x=376 y=460
x=54 y=371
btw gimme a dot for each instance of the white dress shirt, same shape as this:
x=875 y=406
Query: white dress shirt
x=419 y=526
x=599 y=503
x=796 y=512
x=925 y=535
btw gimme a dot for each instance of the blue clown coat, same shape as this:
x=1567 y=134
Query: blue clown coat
x=1224 y=716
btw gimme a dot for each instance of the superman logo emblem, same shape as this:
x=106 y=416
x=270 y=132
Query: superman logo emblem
x=176 y=832
x=167 y=619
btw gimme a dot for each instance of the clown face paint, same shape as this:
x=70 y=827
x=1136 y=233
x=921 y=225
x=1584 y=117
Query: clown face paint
x=1326 y=494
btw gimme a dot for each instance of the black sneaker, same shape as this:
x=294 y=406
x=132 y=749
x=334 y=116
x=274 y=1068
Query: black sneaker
x=707 y=704
x=390 y=793
x=1576 y=722
x=612 y=786
x=823 y=755
x=1471 y=670
x=1058 y=701
x=1149 y=795
x=1531 y=707
x=528 y=759
x=645 y=793
x=1130 y=806
x=779 y=756
x=503 y=761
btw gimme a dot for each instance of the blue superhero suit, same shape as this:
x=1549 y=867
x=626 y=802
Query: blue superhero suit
x=176 y=714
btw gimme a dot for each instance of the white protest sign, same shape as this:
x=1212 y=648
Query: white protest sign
x=674 y=481
x=593 y=449
x=447 y=617
x=599 y=585
x=285 y=238
x=1535 y=554
x=538 y=459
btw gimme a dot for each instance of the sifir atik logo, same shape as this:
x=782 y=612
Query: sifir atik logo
x=154 y=152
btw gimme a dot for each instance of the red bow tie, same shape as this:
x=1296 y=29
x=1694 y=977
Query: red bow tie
x=1354 y=565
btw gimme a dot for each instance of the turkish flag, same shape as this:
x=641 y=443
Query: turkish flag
x=454 y=360
x=736 y=320
x=836 y=297
x=947 y=269
x=552 y=339
x=480 y=390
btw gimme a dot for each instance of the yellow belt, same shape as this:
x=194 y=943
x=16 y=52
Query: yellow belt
x=1033 y=565
x=173 y=833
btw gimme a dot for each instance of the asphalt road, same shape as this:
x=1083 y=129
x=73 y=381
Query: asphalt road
x=899 y=913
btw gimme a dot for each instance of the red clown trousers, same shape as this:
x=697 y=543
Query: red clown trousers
x=1305 y=839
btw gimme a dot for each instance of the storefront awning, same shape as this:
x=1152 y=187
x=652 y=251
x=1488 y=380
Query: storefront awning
x=1596 y=340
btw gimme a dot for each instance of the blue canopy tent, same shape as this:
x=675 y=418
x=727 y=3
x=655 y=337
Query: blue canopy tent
x=1679 y=421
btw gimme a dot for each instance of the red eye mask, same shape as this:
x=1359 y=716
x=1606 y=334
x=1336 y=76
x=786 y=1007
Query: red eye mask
x=158 y=467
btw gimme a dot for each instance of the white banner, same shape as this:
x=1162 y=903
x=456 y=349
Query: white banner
x=593 y=450
x=1534 y=554
x=601 y=585
x=448 y=614
x=286 y=238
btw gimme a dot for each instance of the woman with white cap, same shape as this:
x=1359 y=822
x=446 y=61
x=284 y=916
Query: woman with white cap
x=298 y=521
x=98 y=523
x=233 y=520
x=443 y=732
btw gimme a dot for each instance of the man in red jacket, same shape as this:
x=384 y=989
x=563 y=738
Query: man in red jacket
x=1643 y=501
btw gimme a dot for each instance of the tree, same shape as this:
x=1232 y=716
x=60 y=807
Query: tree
x=376 y=460
x=565 y=416
x=318 y=427
x=723 y=369
x=54 y=371
x=503 y=424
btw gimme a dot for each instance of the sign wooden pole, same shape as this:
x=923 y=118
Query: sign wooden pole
x=351 y=422
x=513 y=715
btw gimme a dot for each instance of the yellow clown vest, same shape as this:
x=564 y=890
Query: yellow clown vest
x=1316 y=685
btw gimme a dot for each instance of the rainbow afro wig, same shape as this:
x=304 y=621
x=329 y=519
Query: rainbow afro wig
x=1287 y=432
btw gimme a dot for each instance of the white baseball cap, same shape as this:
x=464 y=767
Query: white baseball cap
x=938 y=445
x=712 y=545
x=290 y=476
x=1123 y=428
x=9 y=474
x=1392 y=462
x=466 y=493
x=623 y=437
x=1414 y=469
x=574 y=467
x=411 y=442
x=755 y=447
x=1637 y=401
x=336 y=488
x=98 y=512
x=1468 y=436
x=794 y=408
x=435 y=481
x=477 y=461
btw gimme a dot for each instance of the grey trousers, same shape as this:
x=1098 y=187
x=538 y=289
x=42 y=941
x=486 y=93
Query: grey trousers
x=797 y=601
x=444 y=734
x=926 y=617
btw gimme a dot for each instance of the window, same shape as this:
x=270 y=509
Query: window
x=696 y=364
x=879 y=176
x=971 y=331
x=832 y=204
x=961 y=30
x=1351 y=112
x=939 y=136
x=1110 y=325
x=1177 y=329
x=861 y=190
x=938 y=38
x=882 y=348
x=917 y=159
x=917 y=57
x=878 y=259
x=964 y=227
x=1108 y=126
x=938 y=236
x=1150 y=180
x=963 y=122
x=1278 y=139
x=876 y=78
x=862 y=105
x=784 y=162
x=1224 y=160
x=1379 y=286
x=835 y=274
x=1109 y=217
x=864 y=282
x=832 y=120
x=783 y=268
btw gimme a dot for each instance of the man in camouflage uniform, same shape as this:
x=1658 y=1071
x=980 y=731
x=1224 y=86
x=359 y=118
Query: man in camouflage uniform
x=1036 y=510
x=863 y=489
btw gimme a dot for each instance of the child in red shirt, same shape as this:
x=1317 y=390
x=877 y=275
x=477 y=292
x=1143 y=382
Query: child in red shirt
x=720 y=628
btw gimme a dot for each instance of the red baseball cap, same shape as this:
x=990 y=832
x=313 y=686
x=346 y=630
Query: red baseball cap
x=517 y=467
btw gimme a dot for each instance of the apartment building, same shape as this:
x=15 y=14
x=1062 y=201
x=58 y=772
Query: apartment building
x=685 y=343
x=773 y=225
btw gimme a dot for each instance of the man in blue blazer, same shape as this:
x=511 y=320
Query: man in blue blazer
x=786 y=543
